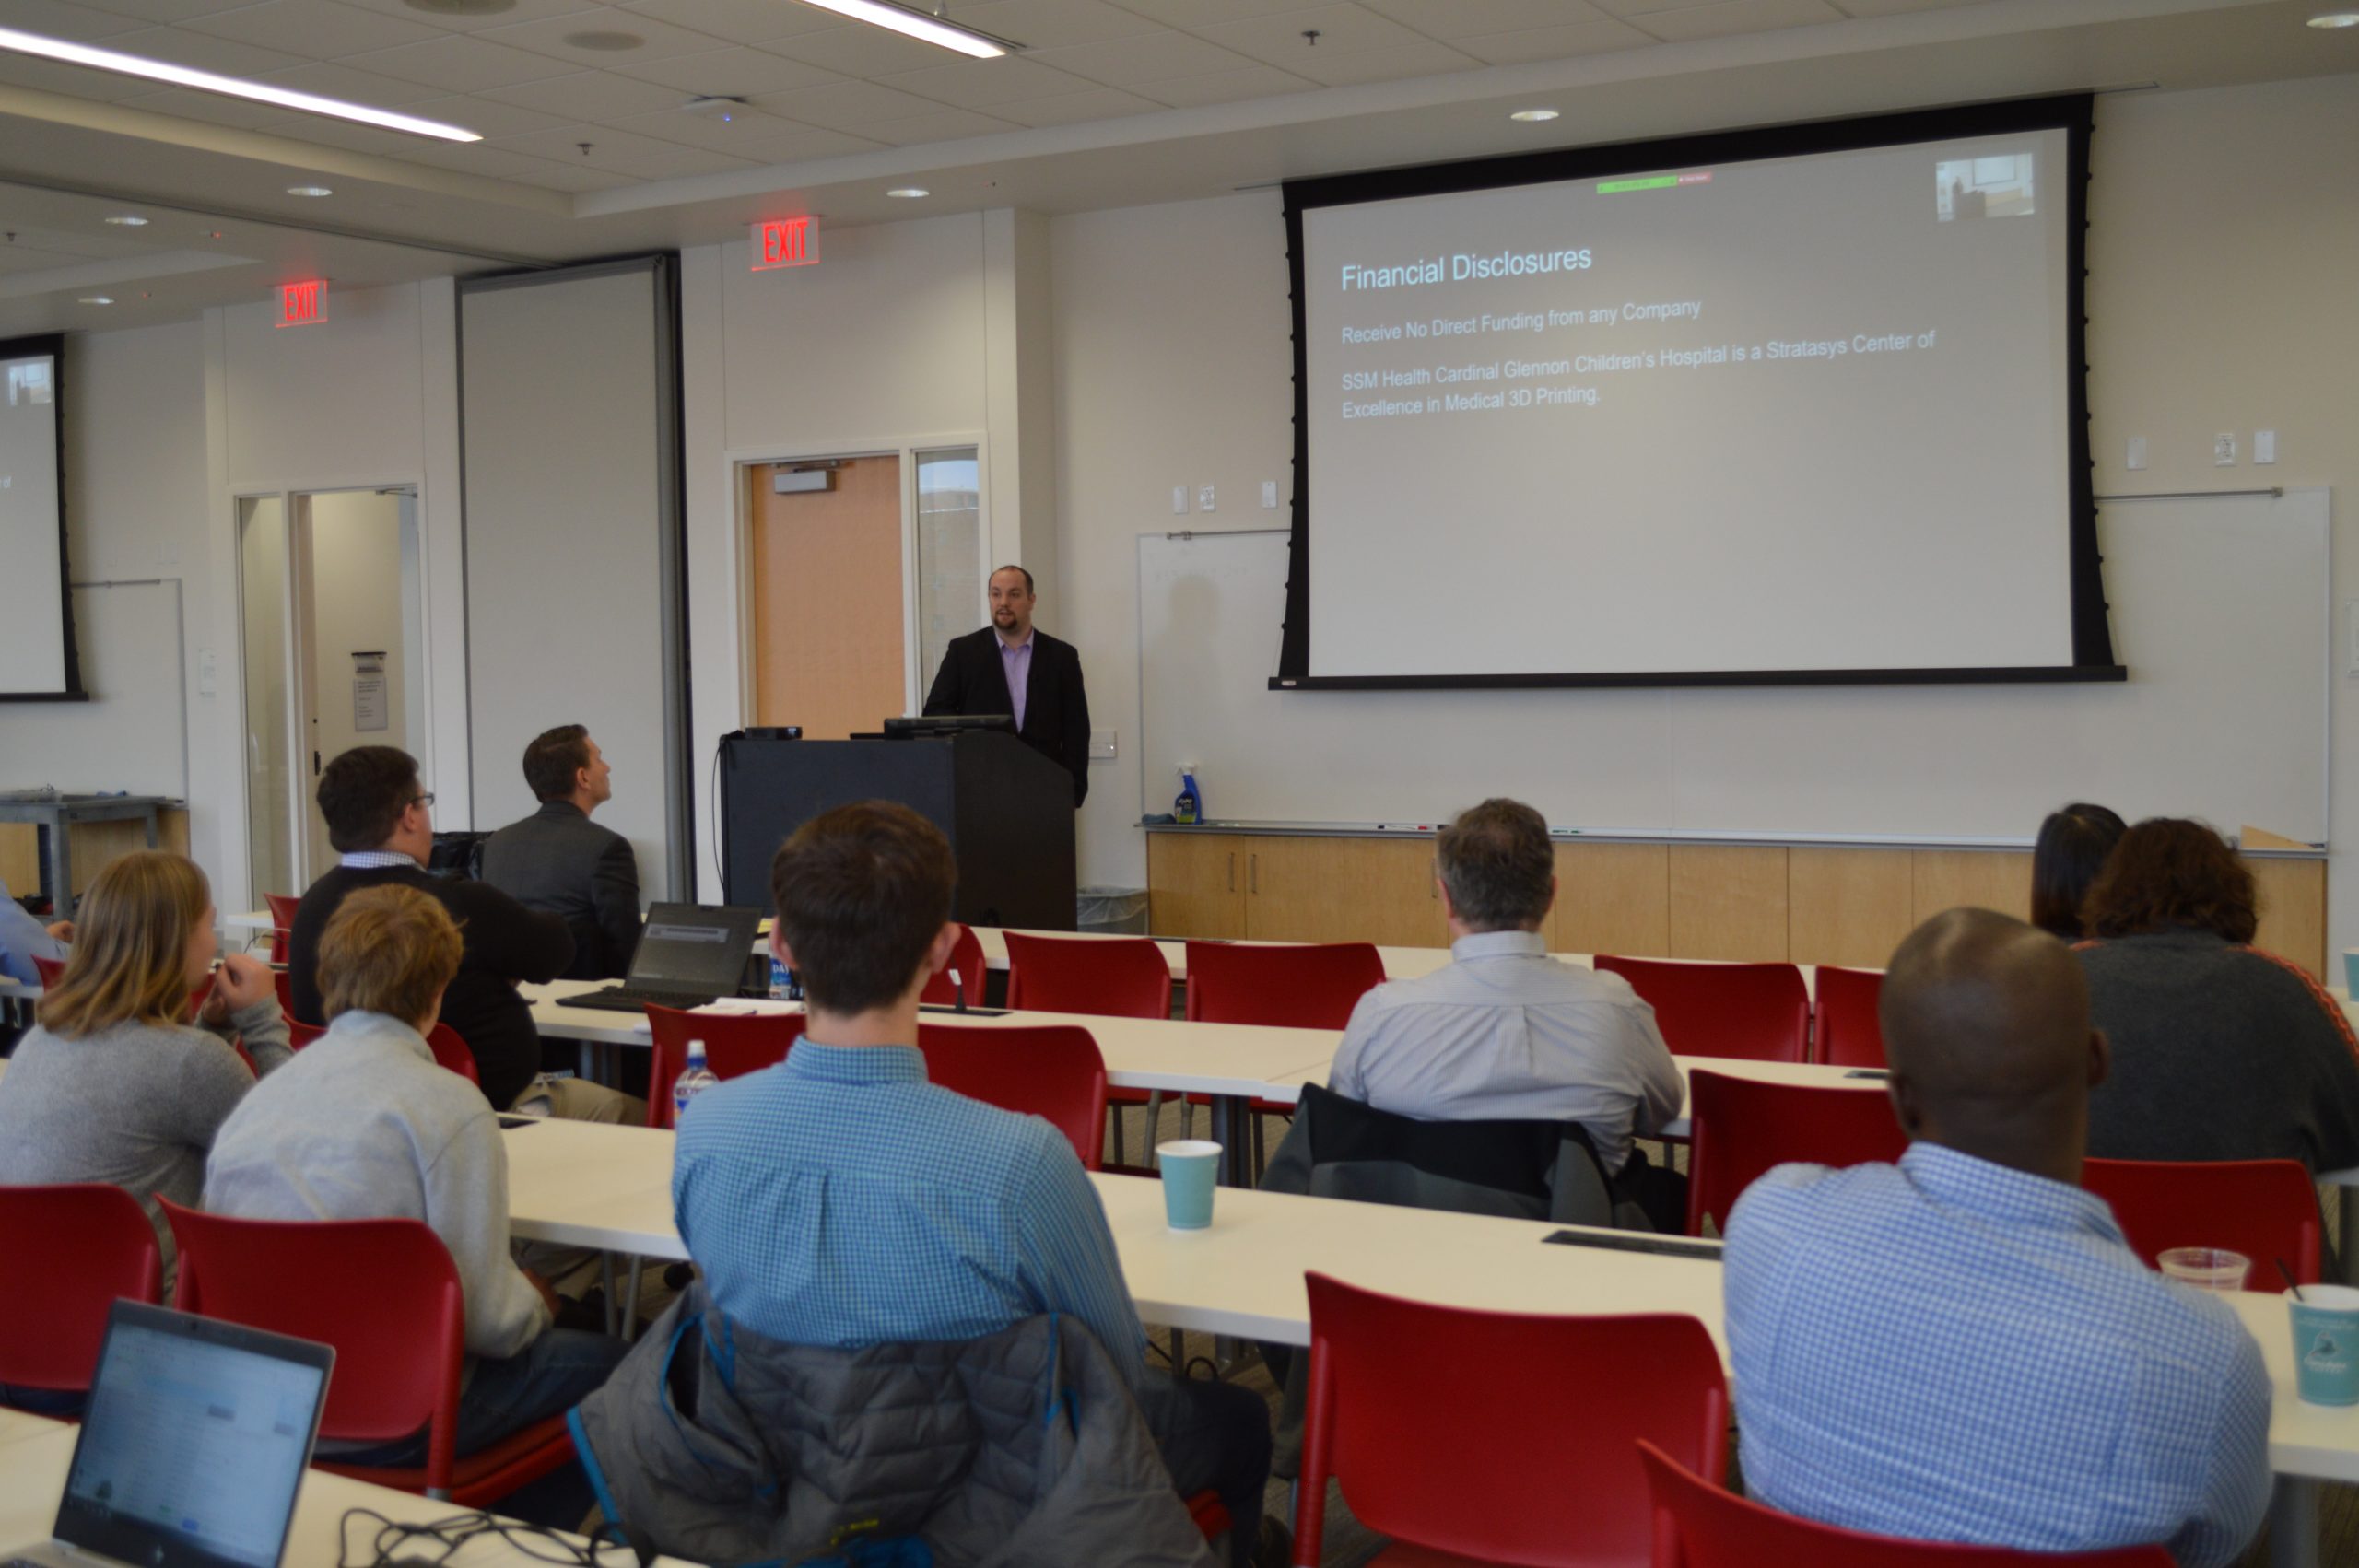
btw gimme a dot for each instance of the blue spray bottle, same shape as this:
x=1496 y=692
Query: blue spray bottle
x=1188 y=806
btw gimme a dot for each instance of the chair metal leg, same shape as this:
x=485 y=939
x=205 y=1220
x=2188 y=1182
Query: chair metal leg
x=630 y=1298
x=607 y=1278
x=1115 y=1114
x=1154 y=1127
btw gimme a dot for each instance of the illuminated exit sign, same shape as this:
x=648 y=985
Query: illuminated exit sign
x=786 y=242
x=303 y=304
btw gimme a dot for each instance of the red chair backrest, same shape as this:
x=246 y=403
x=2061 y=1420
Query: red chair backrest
x=450 y=1051
x=282 y=910
x=299 y=1033
x=383 y=1292
x=2265 y=1209
x=72 y=1249
x=1110 y=976
x=967 y=957
x=1753 y=1011
x=285 y=982
x=1298 y=986
x=1536 y=1467
x=1699 y=1524
x=735 y=1044
x=1049 y=1070
x=1843 y=1018
x=1741 y=1127
x=50 y=970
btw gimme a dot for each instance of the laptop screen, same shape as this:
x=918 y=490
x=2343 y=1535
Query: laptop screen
x=194 y=1443
x=694 y=947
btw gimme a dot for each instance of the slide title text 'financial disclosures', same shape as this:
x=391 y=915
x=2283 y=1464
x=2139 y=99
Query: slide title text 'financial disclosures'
x=1462 y=267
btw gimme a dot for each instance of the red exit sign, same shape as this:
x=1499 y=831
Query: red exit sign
x=786 y=242
x=303 y=304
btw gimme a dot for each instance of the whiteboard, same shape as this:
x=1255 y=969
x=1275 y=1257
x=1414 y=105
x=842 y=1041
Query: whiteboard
x=132 y=734
x=2220 y=610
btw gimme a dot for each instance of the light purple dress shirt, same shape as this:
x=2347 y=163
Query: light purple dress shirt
x=1016 y=664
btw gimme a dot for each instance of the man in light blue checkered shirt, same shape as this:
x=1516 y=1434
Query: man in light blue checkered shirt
x=1961 y=1347
x=841 y=1199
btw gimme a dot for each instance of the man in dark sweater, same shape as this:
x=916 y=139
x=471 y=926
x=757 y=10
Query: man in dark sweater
x=380 y=820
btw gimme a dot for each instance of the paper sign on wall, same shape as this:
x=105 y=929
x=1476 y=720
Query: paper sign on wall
x=371 y=703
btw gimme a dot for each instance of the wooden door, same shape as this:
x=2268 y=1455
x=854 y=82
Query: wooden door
x=827 y=599
x=1196 y=883
x=1338 y=889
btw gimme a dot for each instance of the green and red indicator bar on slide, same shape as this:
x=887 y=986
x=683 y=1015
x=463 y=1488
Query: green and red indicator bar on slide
x=1654 y=183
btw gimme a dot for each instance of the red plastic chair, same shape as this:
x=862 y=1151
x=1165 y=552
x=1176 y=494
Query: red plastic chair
x=1700 y=1525
x=2265 y=1209
x=1294 y=985
x=1845 y=1017
x=385 y=1295
x=49 y=971
x=1741 y=1127
x=735 y=1044
x=967 y=957
x=73 y=1249
x=1751 y=1011
x=282 y=911
x=299 y=1033
x=449 y=1049
x=1538 y=1466
x=1106 y=977
x=283 y=981
x=1109 y=976
x=1049 y=1070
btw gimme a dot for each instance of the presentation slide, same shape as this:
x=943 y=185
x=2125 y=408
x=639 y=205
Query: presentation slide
x=32 y=600
x=1795 y=413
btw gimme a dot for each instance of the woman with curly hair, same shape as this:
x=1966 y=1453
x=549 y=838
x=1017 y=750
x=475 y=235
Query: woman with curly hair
x=2220 y=1051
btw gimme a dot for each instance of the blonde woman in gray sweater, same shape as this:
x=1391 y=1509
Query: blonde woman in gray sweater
x=126 y=1077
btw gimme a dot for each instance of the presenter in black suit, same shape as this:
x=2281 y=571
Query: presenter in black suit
x=984 y=671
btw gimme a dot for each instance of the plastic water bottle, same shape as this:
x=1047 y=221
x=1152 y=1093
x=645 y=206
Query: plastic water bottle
x=782 y=986
x=692 y=1080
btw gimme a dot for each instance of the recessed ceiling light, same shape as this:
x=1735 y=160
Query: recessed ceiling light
x=917 y=25
x=205 y=81
x=127 y=220
x=309 y=190
x=1532 y=116
x=98 y=299
x=909 y=192
x=2335 y=19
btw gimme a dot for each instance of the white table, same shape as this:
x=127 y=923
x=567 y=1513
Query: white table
x=608 y=1187
x=35 y=1453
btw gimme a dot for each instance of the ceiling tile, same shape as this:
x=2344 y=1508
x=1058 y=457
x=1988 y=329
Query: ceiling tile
x=1736 y=17
x=739 y=22
x=1045 y=24
x=776 y=141
x=316 y=29
x=863 y=51
x=1454 y=20
x=1894 y=7
x=574 y=177
x=1278 y=40
x=1552 y=44
x=942 y=125
x=317 y=130
x=169 y=10
x=56 y=18
x=845 y=106
x=552 y=35
x=727 y=73
x=594 y=98
x=449 y=21
x=615 y=150
x=213 y=108
x=74 y=81
x=492 y=163
x=331 y=80
x=1125 y=62
x=688 y=130
x=1398 y=63
x=16 y=258
x=457 y=62
x=181 y=47
x=488 y=116
x=1226 y=87
x=1072 y=109
x=984 y=83
x=1203 y=13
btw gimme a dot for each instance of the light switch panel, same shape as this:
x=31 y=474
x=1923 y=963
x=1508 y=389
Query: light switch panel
x=1101 y=745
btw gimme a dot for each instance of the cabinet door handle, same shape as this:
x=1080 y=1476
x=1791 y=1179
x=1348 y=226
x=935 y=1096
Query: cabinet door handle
x=1232 y=870
x=1253 y=874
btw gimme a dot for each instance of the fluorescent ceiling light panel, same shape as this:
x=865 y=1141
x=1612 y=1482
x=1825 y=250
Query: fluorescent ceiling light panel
x=917 y=25
x=205 y=81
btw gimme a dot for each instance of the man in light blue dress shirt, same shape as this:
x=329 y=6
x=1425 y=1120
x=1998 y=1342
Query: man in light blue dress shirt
x=1961 y=1347
x=840 y=1199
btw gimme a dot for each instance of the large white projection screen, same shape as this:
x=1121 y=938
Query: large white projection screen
x=1794 y=414
x=35 y=655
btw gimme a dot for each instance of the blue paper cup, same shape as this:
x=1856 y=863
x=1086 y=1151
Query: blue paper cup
x=1190 y=1166
x=2326 y=1344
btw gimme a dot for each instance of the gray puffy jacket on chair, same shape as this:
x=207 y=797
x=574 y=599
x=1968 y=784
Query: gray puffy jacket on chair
x=1023 y=1449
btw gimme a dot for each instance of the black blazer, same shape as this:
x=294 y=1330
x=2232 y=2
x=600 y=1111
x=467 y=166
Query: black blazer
x=1056 y=710
x=558 y=862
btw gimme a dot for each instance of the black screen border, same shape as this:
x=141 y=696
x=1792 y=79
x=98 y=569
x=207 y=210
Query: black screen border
x=54 y=345
x=2093 y=658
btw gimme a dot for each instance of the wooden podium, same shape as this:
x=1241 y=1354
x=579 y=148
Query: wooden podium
x=1006 y=810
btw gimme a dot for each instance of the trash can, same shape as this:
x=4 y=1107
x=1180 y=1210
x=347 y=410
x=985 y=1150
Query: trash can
x=1111 y=911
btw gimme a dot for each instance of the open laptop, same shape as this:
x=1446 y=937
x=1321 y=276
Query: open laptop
x=191 y=1448
x=689 y=954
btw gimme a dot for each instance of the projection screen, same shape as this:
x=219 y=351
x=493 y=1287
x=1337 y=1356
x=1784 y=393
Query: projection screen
x=37 y=654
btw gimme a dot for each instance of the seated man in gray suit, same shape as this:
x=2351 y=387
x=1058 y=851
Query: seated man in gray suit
x=558 y=862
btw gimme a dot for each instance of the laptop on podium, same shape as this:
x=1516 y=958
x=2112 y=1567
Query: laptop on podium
x=193 y=1446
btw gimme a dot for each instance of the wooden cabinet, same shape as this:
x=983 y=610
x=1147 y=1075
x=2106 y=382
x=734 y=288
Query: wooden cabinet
x=1313 y=888
x=1196 y=883
x=1612 y=898
x=1728 y=901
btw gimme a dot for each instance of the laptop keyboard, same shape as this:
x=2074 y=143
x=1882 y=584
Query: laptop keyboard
x=629 y=999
